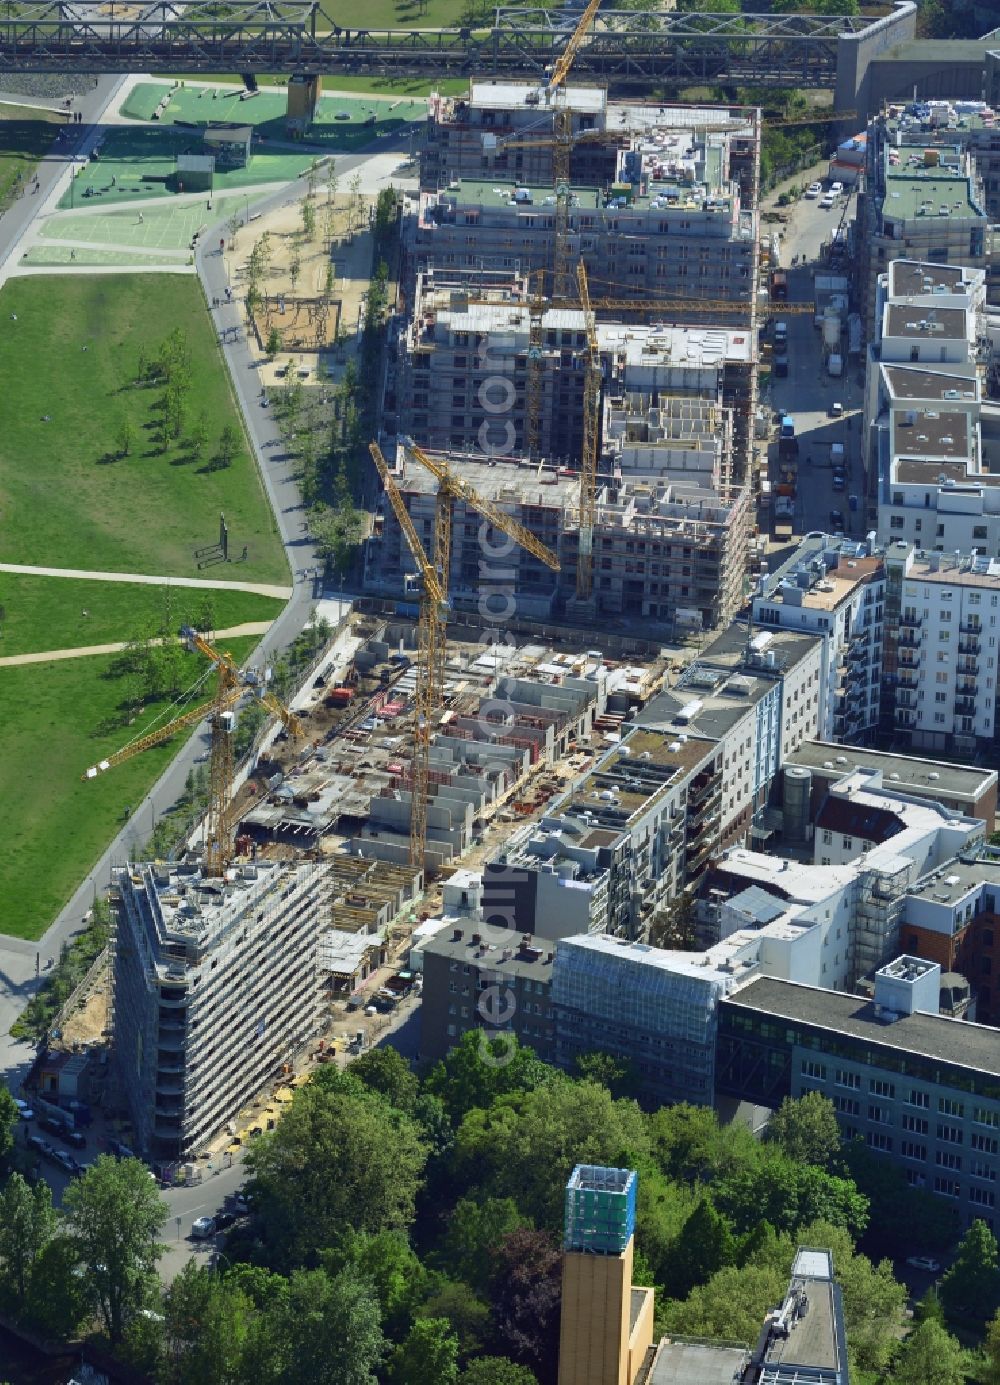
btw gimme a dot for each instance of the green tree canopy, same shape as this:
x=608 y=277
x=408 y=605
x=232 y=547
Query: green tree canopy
x=27 y=1225
x=474 y=1230
x=480 y=1069
x=930 y=1356
x=526 y=1147
x=496 y=1370
x=991 y=1351
x=113 y=1214
x=970 y=1287
x=806 y=1130
x=704 y=1246
x=207 y=1324
x=337 y=1162
x=789 y=1195
x=327 y=1330
x=465 y=1313
x=526 y=1292
x=689 y=1144
x=427 y=1356
x=732 y=1304
x=385 y=1070
x=8 y=1124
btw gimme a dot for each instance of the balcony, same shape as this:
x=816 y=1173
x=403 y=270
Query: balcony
x=970 y=627
x=968 y=645
x=909 y=639
x=910 y=622
x=965 y=706
x=905 y=716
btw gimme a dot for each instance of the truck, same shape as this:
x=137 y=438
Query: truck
x=835 y=364
x=779 y=285
x=788 y=445
x=780 y=337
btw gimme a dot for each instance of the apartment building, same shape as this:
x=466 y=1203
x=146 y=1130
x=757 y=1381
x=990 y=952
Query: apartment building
x=836 y=591
x=927 y=474
x=920 y=1088
x=460 y=377
x=918 y=202
x=671 y=550
x=216 y=984
x=968 y=125
x=661 y=201
x=477 y=977
x=751 y=695
x=952 y=918
x=943 y=637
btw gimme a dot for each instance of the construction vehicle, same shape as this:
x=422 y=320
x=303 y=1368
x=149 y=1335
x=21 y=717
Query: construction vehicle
x=233 y=685
x=431 y=582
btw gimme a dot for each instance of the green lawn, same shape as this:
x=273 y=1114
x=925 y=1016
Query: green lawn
x=412 y=14
x=367 y=86
x=71 y=357
x=43 y=613
x=25 y=135
x=55 y=721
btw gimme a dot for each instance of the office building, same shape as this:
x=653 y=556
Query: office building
x=836 y=591
x=216 y=985
x=919 y=1088
x=606 y=1322
x=952 y=917
x=965 y=789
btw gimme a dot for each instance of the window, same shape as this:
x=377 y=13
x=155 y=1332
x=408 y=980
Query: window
x=909 y=1150
x=948 y=1107
x=949 y=1187
x=914 y=1123
x=843 y=1078
x=985 y=1144
x=946 y=1160
x=827 y=837
x=848 y=843
x=811 y=1069
x=984 y=1168
x=983 y=1197
x=876 y=1139
x=879 y=1088
x=951 y=1134
x=982 y=1116
x=879 y=1115
x=847 y=1105
x=916 y=1098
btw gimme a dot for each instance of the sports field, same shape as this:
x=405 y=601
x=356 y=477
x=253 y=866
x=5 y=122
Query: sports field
x=165 y=226
x=69 y=355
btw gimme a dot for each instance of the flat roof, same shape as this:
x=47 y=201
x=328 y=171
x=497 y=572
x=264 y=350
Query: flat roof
x=931 y=433
x=917 y=382
x=535 y=961
x=697 y=1363
x=921 y=322
x=664 y=194
x=718 y=712
x=929 y=471
x=640 y=747
x=511 y=96
x=957 y=879
x=931 y=195
x=951 y=574
x=948 y=1040
x=729 y=649
x=912 y=772
x=910 y=277
x=835 y=586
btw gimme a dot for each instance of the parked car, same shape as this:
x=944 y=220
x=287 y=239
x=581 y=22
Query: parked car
x=76 y=1138
x=837 y=521
x=814 y=190
x=53 y=1125
x=24 y=1111
x=827 y=200
x=202 y=1228
x=836 y=409
x=224 y=1220
x=39 y=1145
x=836 y=189
x=924 y=1262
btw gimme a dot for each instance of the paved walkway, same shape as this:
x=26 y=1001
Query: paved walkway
x=51 y=656
x=82 y=574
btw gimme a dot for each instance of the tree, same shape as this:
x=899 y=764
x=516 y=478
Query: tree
x=427 y=1356
x=327 y=1329
x=229 y=446
x=929 y=1307
x=466 y=1314
x=970 y=1287
x=689 y=1145
x=386 y=1071
x=205 y=614
x=308 y=219
x=789 y=1196
x=930 y=1356
x=9 y=1117
x=294 y=269
x=479 y=1069
x=336 y=1162
x=732 y=1304
x=233 y=225
x=475 y=1229
x=273 y=342
x=704 y=1246
x=124 y=436
x=387 y=1262
x=57 y=1297
x=27 y=1224
x=206 y=1327
x=529 y=1152
x=909 y=1218
x=496 y=1370
x=199 y=436
x=991 y=1351
x=617 y=1074
x=526 y=1291
x=806 y=1130
x=113 y=1214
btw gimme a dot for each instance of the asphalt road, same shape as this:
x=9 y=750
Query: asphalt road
x=21 y=962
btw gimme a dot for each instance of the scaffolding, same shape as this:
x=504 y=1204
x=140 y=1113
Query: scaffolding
x=880 y=906
x=600 y=1209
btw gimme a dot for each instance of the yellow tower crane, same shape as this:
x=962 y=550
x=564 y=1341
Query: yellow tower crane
x=434 y=606
x=233 y=684
x=591 y=430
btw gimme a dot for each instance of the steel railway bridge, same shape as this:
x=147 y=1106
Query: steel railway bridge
x=624 y=48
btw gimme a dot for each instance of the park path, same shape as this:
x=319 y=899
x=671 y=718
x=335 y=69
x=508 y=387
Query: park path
x=50 y=656
x=82 y=574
